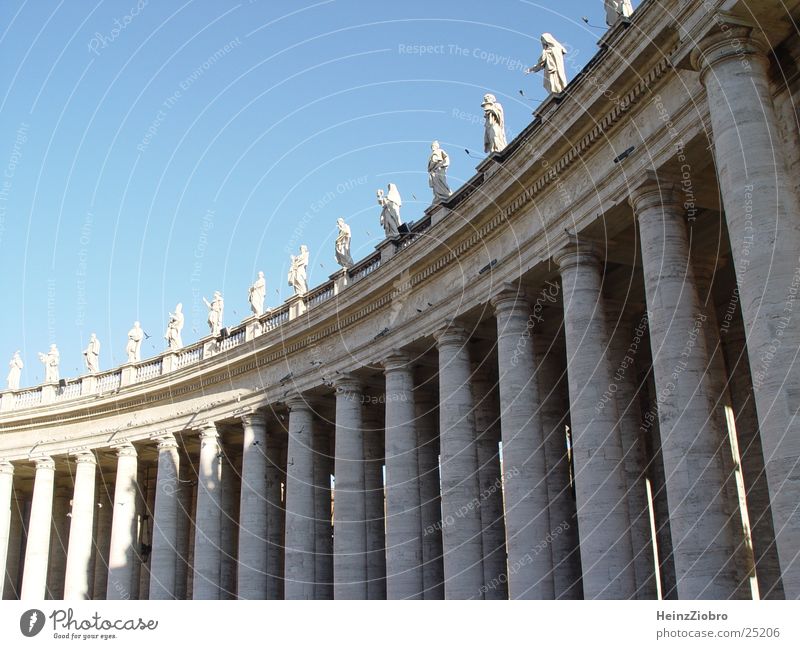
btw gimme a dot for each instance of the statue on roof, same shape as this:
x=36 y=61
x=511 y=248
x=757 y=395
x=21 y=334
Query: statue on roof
x=494 y=125
x=390 y=210
x=616 y=10
x=438 y=163
x=552 y=62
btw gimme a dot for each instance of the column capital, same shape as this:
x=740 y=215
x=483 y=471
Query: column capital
x=254 y=418
x=348 y=384
x=165 y=441
x=44 y=463
x=730 y=37
x=6 y=468
x=84 y=457
x=510 y=297
x=451 y=333
x=574 y=253
x=397 y=360
x=125 y=449
x=297 y=402
x=208 y=430
x=655 y=190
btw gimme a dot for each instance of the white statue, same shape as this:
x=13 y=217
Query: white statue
x=91 y=355
x=390 y=210
x=215 y=309
x=298 y=278
x=15 y=371
x=257 y=294
x=437 y=173
x=134 y=346
x=616 y=9
x=174 y=328
x=343 y=257
x=51 y=360
x=552 y=62
x=494 y=131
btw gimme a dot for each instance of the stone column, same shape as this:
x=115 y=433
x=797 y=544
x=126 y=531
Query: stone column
x=403 y=516
x=691 y=439
x=34 y=572
x=761 y=212
x=323 y=526
x=59 y=541
x=349 y=514
x=524 y=468
x=186 y=494
x=373 y=422
x=275 y=512
x=121 y=554
x=253 y=524
x=625 y=344
x=6 y=494
x=461 y=533
x=11 y=575
x=427 y=422
x=79 y=551
x=164 y=555
x=229 y=523
x=487 y=426
x=104 y=512
x=300 y=531
x=606 y=554
x=551 y=379
x=208 y=519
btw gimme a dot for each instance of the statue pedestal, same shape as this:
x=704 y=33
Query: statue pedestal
x=438 y=212
x=252 y=326
x=387 y=248
x=339 y=279
x=547 y=107
x=49 y=392
x=128 y=374
x=88 y=384
x=297 y=306
x=7 y=401
x=169 y=362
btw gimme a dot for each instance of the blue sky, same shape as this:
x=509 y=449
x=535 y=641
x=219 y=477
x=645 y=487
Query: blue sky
x=154 y=152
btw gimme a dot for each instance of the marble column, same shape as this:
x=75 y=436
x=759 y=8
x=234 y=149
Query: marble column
x=487 y=426
x=323 y=524
x=403 y=515
x=551 y=372
x=186 y=494
x=525 y=471
x=164 y=555
x=122 y=551
x=79 y=551
x=229 y=525
x=600 y=487
x=34 y=572
x=253 y=523
x=427 y=423
x=373 y=422
x=349 y=514
x=461 y=531
x=300 y=530
x=6 y=497
x=208 y=519
x=12 y=577
x=761 y=211
x=691 y=439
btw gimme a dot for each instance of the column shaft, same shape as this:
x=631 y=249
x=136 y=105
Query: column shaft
x=6 y=498
x=300 y=529
x=253 y=523
x=374 y=502
x=323 y=528
x=600 y=487
x=349 y=522
x=461 y=532
x=79 y=552
x=121 y=555
x=403 y=516
x=208 y=519
x=164 y=555
x=34 y=573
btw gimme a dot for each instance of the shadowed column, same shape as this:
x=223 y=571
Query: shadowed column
x=253 y=529
x=6 y=493
x=121 y=553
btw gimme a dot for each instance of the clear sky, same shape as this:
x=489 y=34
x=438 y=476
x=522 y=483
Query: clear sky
x=154 y=151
